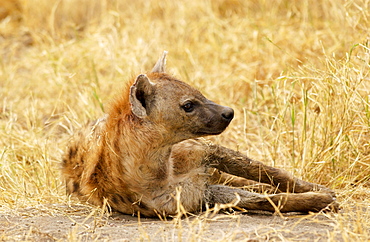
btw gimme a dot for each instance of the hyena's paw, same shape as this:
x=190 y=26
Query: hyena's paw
x=333 y=206
x=323 y=201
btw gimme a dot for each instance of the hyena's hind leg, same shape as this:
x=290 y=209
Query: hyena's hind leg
x=283 y=202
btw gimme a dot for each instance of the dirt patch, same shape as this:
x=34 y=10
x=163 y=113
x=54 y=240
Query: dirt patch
x=78 y=223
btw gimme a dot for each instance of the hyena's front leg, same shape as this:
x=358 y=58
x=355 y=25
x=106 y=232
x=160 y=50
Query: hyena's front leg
x=222 y=178
x=236 y=163
x=283 y=202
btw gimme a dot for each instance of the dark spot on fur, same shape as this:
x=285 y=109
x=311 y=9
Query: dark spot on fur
x=101 y=158
x=130 y=200
x=115 y=200
x=76 y=187
x=161 y=174
x=119 y=199
x=72 y=152
x=93 y=176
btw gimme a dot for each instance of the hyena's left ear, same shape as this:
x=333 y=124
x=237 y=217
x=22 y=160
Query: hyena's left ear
x=160 y=66
x=140 y=91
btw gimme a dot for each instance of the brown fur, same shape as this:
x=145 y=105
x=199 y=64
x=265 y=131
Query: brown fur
x=145 y=148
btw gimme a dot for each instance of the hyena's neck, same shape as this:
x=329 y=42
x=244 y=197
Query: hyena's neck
x=142 y=150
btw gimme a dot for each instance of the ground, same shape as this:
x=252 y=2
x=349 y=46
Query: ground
x=74 y=223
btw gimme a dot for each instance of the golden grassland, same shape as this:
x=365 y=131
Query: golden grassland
x=296 y=73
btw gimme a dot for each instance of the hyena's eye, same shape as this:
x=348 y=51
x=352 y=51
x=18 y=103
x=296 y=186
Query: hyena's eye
x=188 y=107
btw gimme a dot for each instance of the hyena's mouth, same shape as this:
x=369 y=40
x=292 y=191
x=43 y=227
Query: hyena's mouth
x=213 y=130
x=217 y=123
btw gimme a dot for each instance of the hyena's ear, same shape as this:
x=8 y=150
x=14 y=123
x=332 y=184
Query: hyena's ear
x=160 y=66
x=139 y=93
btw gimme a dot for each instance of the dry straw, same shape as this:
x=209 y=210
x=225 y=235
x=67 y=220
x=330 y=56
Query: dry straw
x=296 y=72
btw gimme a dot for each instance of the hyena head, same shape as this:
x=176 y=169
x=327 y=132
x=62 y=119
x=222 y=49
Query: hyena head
x=179 y=108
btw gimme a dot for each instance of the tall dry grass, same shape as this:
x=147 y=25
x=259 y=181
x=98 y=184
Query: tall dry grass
x=296 y=72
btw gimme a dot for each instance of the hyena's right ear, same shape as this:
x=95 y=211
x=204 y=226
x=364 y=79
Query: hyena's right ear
x=139 y=93
x=160 y=66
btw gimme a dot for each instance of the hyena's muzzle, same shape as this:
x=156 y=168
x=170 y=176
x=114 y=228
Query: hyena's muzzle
x=215 y=118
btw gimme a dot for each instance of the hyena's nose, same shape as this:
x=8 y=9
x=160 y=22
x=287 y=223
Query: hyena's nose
x=228 y=114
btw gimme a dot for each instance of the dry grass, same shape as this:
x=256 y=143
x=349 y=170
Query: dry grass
x=296 y=72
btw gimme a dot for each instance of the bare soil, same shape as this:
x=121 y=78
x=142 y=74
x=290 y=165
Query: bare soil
x=78 y=223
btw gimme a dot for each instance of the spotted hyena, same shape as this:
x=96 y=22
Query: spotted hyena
x=147 y=147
